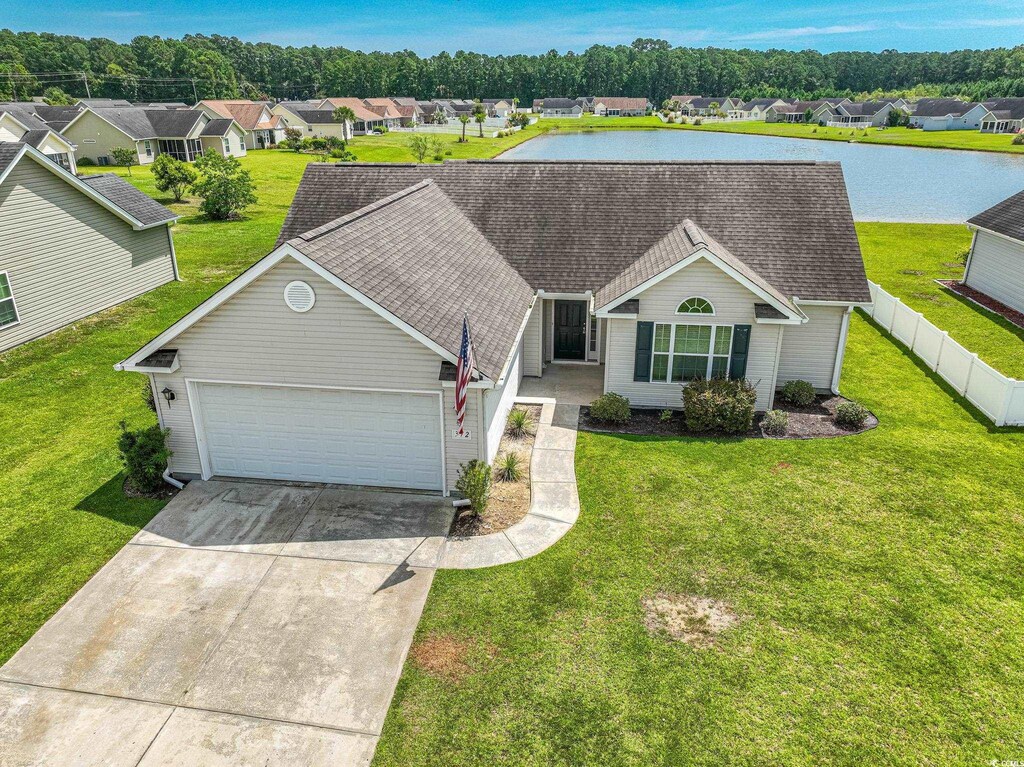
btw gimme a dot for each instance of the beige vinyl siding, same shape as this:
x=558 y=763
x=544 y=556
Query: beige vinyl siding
x=734 y=305
x=97 y=138
x=809 y=350
x=532 y=339
x=997 y=269
x=255 y=338
x=67 y=256
x=215 y=144
x=499 y=401
x=548 y=330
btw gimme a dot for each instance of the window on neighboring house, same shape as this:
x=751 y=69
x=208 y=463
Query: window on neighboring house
x=227 y=145
x=8 y=311
x=690 y=352
x=149 y=148
x=695 y=305
x=62 y=159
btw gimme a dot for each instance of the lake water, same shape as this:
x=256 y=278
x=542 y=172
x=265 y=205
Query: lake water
x=885 y=183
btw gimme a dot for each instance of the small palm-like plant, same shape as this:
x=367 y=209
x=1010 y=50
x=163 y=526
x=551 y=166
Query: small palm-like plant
x=509 y=468
x=519 y=423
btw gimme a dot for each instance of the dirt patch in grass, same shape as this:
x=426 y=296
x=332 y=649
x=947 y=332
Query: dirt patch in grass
x=445 y=657
x=510 y=501
x=912 y=272
x=696 y=621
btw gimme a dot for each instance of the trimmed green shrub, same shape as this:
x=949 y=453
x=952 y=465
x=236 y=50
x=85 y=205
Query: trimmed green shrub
x=225 y=189
x=144 y=453
x=1018 y=139
x=799 y=393
x=665 y=416
x=86 y=162
x=474 y=484
x=519 y=423
x=850 y=415
x=509 y=468
x=719 y=405
x=775 y=423
x=610 y=407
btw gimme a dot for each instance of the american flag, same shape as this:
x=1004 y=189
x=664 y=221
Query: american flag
x=463 y=371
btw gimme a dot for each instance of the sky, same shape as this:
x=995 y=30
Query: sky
x=533 y=26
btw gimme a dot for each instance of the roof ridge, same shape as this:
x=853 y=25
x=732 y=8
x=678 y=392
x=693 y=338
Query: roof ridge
x=366 y=210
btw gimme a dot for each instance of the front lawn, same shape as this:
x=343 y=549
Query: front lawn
x=906 y=259
x=878 y=580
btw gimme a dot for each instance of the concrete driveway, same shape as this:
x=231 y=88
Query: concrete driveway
x=247 y=624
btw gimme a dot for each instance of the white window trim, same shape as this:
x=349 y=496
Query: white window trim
x=671 y=353
x=14 y=303
x=712 y=313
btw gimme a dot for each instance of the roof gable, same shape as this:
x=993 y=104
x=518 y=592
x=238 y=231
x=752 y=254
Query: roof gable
x=1005 y=218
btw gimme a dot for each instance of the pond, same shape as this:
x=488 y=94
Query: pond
x=885 y=183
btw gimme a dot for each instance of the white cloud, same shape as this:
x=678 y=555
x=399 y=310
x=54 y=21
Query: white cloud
x=791 y=32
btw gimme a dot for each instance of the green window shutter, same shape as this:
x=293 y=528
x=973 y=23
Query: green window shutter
x=644 y=345
x=740 y=350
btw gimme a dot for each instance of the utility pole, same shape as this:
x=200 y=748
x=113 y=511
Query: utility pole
x=85 y=79
x=196 y=97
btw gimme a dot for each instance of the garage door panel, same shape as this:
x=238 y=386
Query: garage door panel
x=322 y=435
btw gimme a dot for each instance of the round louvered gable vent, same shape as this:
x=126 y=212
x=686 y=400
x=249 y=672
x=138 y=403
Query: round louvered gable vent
x=299 y=296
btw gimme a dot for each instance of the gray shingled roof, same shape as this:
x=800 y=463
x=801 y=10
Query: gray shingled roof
x=8 y=151
x=125 y=196
x=1012 y=108
x=416 y=254
x=173 y=123
x=35 y=137
x=217 y=127
x=683 y=241
x=1006 y=217
x=574 y=226
x=943 y=107
x=559 y=104
x=35 y=117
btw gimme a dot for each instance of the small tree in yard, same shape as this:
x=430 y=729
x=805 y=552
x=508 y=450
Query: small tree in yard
x=125 y=157
x=144 y=454
x=474 y=484
x=464 y=119
x=420 y=147
x=480 y=114
x=344 y=115
x=173 y=176
x=808 y=115
x=226 y=189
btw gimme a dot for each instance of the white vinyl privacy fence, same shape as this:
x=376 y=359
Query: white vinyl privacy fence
x=997 y=396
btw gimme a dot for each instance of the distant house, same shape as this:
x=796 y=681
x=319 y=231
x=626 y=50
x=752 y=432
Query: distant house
x=70 y=246
x=706 y=106
x=620 y=106
x=821 y=111
x=312 y=119
x=560 y=108
x=19 y=122
x=185 y=134
x=261 y=127
x=386 y=109
x=409 y=108
x=499 y=107
x=1003 y=116
x=995 y=264
x=755 y=108
x=587 y=102
x=435 y=112
x=863 y=114
x=368 y=119
x=947 y=114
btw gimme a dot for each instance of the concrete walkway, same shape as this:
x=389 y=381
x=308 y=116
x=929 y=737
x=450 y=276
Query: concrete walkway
x=554 y=503
x=247 y=624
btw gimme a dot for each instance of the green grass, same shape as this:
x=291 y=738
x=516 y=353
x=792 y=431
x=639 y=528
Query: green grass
x=906 y=259
x=879 y=579
x=394 y=147
x=969 y=140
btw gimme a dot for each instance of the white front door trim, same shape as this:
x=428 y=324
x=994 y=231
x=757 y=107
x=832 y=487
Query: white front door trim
x=192 y=387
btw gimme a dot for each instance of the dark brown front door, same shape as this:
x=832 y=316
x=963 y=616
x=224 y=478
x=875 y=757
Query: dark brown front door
x=570 y=330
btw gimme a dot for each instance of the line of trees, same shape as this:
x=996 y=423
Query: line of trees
x=226 y=67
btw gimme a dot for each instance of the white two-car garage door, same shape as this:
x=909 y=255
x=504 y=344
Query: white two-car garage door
x=385 y=439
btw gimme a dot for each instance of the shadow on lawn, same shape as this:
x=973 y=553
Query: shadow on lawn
x=941 y=382
x=986 y=313
x=110 y=501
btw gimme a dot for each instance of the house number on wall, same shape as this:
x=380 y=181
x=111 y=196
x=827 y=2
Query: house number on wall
x=466 y=434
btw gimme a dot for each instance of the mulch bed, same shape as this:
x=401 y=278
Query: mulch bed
x=510 y=501
x=812 y=422
x=987 y=302
x=166 y=492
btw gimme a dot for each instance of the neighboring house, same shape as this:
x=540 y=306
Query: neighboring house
x=620 y=106
x=386 y=109
x=103 y=103
x=701 y=106
x=368 y=119
x=560 y=108
x=435 y=112
x=822 y=111
x=185 y=134
x=70 y=246
x=409 y=109
x=262 y=128
x=947 y=114
x=499 y=107
x=995 y=264
x=332 y=359
x=755 y=108
x=315 y=119
x=863 y=114
x=1003 y=116
x=587 y=102
x=20 y=123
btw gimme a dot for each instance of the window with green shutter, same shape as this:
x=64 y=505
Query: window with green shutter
x=8 y=311
x=684 y=353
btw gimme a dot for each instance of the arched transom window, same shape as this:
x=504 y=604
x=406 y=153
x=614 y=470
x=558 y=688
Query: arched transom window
x=695 y=305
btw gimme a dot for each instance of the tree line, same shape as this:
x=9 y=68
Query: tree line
x=161 y=69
